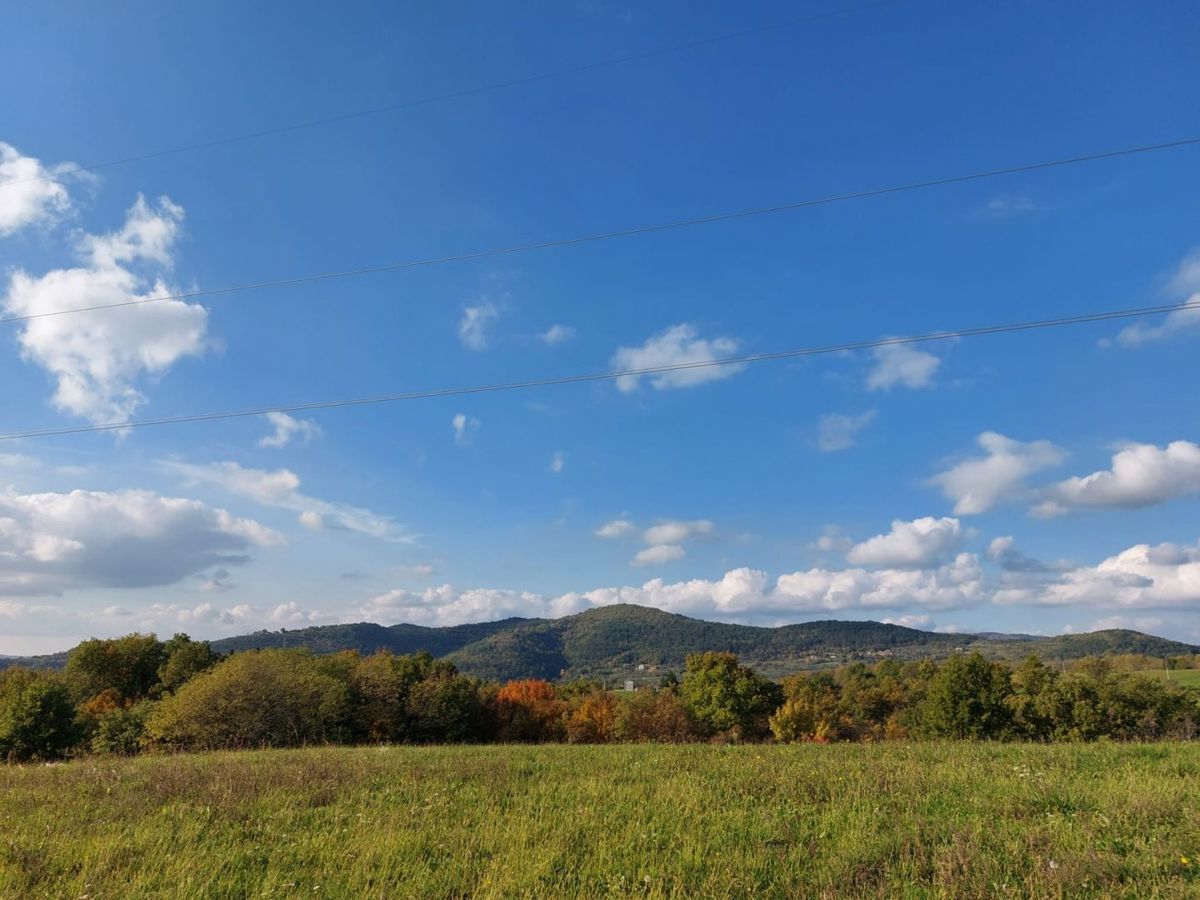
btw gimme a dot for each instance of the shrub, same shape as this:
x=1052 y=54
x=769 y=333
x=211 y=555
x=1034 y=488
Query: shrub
x=593 y=720
x=267 y=698
x=650 y=715
x=37 y=720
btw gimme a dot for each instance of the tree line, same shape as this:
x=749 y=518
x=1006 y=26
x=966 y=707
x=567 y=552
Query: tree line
x=137 y=693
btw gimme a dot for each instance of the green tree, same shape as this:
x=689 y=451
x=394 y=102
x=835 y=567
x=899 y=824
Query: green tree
x=184 y=659
x=968 y=698
x=268 y=698
x=727 y=699
x=381 y=684
x=128 y=665
x=37 y=719
x=444 y=708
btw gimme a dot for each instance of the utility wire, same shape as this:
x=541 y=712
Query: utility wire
x=622 y=373
x=623 y=232
x=454 y=95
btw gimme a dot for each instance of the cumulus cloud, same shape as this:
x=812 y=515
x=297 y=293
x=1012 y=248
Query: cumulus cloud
x=1140 y=475
x=287 y=427
x=464 y=428
x=474 y=324
x=281 y=489
x=916 y=544
x=617 y=528
x=979 y=483
x=1185 y=320
x=446 y=606
x=903 y=365
x=1143 y=576
x=678 y=345
x=30 y=192
x=836 y=431
x=556 y=334
x=910 y=621
x=98 y=359
x=658 y=555
x=51 y=542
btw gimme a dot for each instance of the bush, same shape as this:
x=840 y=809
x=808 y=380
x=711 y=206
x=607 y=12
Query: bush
x=445 y=708
x=650 y=715
x=267 y=698
x=37 y=720
x=121 y=730
x=593 y=720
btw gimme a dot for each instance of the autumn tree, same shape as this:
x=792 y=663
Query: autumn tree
x=529 y=711
x=593 y=719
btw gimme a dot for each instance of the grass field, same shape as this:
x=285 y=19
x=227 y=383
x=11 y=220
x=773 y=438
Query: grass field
x=896 y=820
x=1189 y=678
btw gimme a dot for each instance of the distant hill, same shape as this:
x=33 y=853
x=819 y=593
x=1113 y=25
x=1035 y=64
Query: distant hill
x=643 y=643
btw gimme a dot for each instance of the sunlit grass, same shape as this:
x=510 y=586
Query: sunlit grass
x=897 y=820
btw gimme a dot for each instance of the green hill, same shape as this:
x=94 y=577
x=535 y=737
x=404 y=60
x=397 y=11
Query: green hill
x=642 y=643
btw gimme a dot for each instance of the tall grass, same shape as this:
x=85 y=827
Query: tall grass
x=895 y=820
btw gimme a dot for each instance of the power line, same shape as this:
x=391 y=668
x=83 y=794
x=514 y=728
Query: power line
x=1083 y=318
x=623 y=232
x=454 y=95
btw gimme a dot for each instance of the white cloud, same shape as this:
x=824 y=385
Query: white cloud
x=474 y=324
x=281 y=489
x=99 y=358
x=556 y=334
x=52 y=542
x=678 y=345
x=1186 y=283
x=30 y=193
x=675 y=531
x=464 y=428
x=919 y=543
x=1162 y=576
x=836 y=431
x=557 y=462
x=658 y=555
x=1141 y=475
x=446 y=606
x=617 y=528
x=954 y=585
x=910 y=621
x=979 y=483
x=286 y=427
x=901 y=364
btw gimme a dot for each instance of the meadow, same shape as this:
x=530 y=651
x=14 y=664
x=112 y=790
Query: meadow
x=1188 y=678
x=897 y=819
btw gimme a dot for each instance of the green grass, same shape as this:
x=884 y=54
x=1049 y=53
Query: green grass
x=895 y=820
x=1189 y=678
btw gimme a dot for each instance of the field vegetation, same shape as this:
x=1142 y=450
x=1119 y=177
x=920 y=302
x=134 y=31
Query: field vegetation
x=911 y=819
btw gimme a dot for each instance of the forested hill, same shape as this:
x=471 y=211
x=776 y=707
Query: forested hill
x=614 y=641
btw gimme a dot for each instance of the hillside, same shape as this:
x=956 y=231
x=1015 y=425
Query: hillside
x=366 y=637
x=643 y=643
x=616 y=639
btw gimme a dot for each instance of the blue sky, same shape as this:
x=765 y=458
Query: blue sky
x=1026 y=482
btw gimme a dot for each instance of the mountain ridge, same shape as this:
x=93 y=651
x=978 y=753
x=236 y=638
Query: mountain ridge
x=641 y=642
